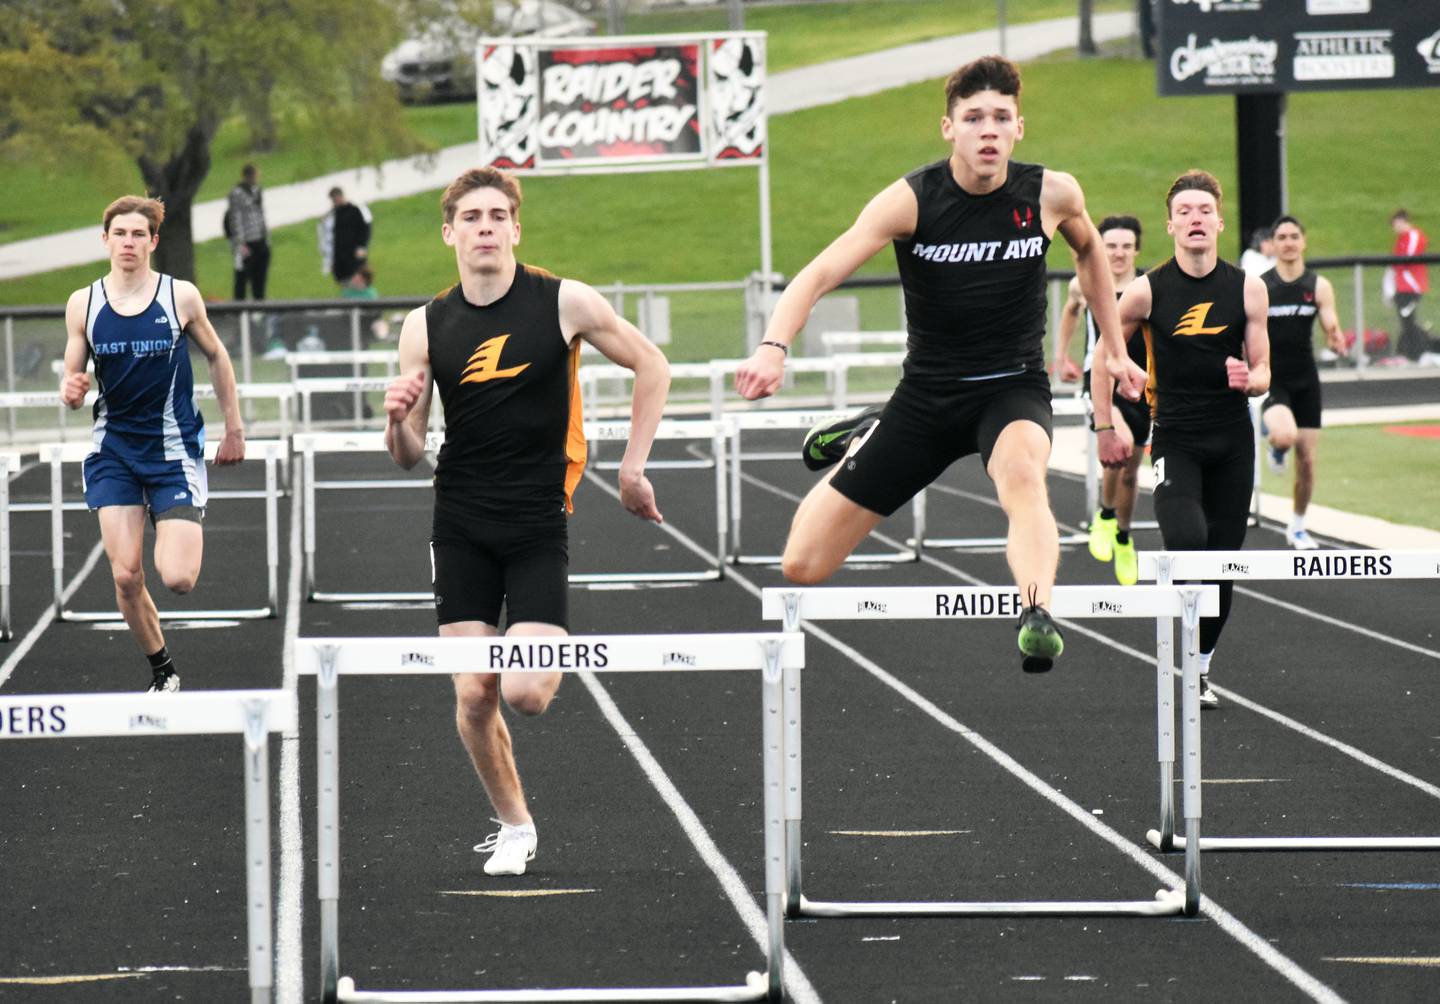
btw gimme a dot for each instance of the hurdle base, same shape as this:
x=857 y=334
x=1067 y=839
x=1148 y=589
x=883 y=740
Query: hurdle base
x=755 y=989
x=1178 y=843
x=1167 y=903
x=964 y=543
x=888 y=558
x=708 y=575
x=106 y=616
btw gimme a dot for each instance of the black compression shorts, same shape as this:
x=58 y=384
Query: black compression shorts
x=1303 y=400
x=476 y=565
x=923 y=430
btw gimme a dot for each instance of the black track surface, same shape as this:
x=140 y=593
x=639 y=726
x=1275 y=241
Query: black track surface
x=122 y=853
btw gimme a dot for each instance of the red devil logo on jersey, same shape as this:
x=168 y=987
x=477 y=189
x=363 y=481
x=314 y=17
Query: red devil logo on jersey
x=1023 y=217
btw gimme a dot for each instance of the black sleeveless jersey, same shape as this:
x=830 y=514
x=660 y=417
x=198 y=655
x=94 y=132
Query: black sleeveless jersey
x=514 y=444
x=1194 y=325
x=1136 y=346
x=1291 y=322
x=973 y=275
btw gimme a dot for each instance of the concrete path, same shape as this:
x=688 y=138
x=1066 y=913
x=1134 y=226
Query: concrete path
x=793 y=90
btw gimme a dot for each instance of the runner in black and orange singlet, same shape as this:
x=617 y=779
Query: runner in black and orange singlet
x=970 y=234
x=503 y=347
x=1204 y=324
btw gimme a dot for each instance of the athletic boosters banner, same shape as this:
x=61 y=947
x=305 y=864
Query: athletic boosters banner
x=545 y=103
x=1266 y=46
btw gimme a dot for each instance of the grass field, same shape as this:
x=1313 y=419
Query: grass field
x=1373 y=470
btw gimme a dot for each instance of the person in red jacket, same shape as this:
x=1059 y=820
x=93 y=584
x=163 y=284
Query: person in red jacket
x=1411 y=283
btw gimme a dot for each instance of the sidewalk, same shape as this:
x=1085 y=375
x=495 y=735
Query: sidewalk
x=793 y=90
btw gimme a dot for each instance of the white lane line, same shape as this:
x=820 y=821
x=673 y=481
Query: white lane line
x=1359 y=755
x=48 y=617
x=289 y=950
x=1226 y=921
x=797 y=984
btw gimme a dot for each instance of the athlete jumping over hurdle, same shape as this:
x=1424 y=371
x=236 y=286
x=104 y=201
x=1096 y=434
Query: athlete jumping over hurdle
x=1204 y=324
x=149 y=437
x=970 y=235
x=503 y=345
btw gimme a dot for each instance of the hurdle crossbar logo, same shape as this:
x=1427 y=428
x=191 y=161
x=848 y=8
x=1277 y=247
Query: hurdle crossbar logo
x=484 y=362
x=1107 y=607
x=1192 y=322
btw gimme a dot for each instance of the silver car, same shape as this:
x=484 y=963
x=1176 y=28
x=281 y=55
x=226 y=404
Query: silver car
x=439 y=62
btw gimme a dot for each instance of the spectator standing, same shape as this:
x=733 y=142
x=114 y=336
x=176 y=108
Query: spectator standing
x=344 y=237
x=1411 y=283
x=249 y=237
x=1259 y=257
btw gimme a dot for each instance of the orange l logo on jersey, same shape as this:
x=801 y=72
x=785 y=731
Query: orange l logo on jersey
x=1193 y=321
x=484 y=362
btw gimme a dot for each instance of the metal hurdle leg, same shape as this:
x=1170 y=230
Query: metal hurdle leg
x=791 y=705
x=327 y=810
x=260 y=911
x=5 y=634
x=1190 y=724
x=1164 y=837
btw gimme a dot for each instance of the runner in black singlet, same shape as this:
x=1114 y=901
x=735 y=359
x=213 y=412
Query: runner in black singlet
x=1204 y=324
x=1292 y=411
x=1110 y=526
x=970 y=234
x=503 y=347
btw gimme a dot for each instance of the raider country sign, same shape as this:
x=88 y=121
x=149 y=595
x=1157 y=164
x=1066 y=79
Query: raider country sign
x=1259 y=46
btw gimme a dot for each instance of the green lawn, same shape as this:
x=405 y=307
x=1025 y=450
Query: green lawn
x=1355 y=459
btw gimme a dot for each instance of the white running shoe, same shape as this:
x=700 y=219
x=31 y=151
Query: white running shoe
x=1275 y=459
x=1208 y=699
x=510 y=849
x=164 y=683
x=1301 y=540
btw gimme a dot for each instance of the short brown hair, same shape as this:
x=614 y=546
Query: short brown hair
x=988 y=73
x=152 y=209
x=480 y=177
x=1193 y=180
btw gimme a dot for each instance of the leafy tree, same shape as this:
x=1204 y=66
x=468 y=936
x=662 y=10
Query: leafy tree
x=156 y=78
x=1086 y=13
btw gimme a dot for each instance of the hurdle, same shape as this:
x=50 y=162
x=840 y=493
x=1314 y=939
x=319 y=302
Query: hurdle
x=327 y=659
x=57 y=454
x=591 y=375
x=309 y=444
x=942 y=603
x=1307 y=566
x=254 y=714
x=9 y=464
x=740 y=421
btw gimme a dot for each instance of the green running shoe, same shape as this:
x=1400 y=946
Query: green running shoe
x=1039 y=639
x=1102 y=537
x=1127 y=564
x=826 y=444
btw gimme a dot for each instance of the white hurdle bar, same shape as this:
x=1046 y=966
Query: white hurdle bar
x=309 y=444
x=941 y=603
x=58 y=454
x=592 y=374
x=743 y=420
x=328 y=659
x=253 y=714
x=1272 y=566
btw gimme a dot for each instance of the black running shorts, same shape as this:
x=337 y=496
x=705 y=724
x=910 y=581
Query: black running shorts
x=1303 y=400
x=477 y=565
x=923 y=430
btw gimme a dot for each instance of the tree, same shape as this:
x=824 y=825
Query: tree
x=157 y=78
x=1087 y=29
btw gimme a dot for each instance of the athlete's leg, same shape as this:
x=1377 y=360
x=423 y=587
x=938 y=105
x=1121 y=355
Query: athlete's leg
x=122 y=528
x=1228 y=481
x=1280 y=420
x=1307 y=445
x=1126 y=488
x=179 y=547
x=483 y=731
x=827 y=527
x=1032 y=546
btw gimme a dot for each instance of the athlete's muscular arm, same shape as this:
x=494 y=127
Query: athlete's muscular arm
x=1252 y=374
x=1062 y=201
x=1329 y=318
x=1116 y=443
x=407 y=399
x=889 y=216
x=75 y=382
x=1069 y=320
x=586 y=314
x=196 y=324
